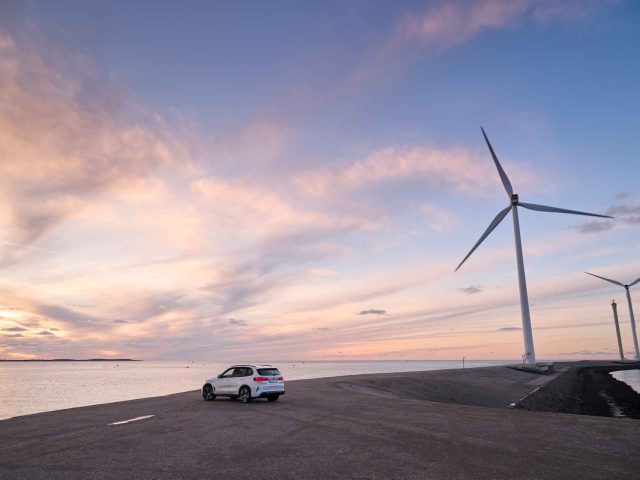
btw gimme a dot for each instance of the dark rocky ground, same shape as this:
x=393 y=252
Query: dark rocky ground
x=586 y=391
x=449 y=425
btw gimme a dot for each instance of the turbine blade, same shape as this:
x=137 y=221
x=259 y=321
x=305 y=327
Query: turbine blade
x=607 y=279
x=503 y=175
x=634 y=282
x=544 y=208
x=490 y=228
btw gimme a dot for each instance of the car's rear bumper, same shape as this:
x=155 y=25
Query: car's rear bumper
x=271 y=392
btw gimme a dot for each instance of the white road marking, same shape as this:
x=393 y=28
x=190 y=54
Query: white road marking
x=122 y=422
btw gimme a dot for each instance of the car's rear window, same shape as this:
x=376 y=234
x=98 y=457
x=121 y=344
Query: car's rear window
x=268 y=371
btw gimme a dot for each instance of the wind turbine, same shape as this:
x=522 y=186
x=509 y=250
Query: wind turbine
x=529 y=356
x=633 y=320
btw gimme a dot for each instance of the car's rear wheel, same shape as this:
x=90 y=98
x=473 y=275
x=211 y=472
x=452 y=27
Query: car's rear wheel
x=273 y=397
x=244 y=395
x=207 y=393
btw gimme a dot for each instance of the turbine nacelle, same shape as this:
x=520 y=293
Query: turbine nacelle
x=616 y=282
x=514 y=199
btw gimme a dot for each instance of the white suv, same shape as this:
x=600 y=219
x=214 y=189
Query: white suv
x=246 y=382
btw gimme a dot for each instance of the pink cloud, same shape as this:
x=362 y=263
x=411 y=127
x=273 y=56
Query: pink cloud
x=448 y=23
x=458 y=169
x=67 y=134
x=453 y=22
x=265 y=212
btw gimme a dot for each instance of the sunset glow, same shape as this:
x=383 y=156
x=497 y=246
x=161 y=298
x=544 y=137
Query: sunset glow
x=301 y=184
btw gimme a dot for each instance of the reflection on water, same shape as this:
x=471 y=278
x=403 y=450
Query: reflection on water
x=33 y=387
x=630 y=377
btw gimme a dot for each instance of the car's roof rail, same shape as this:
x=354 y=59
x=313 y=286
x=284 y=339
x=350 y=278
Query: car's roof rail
x=252 y=366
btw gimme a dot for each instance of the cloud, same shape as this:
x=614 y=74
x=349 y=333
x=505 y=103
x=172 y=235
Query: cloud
x=66 y=315
x=14 y=329
x=45 y=333
x=238 y=322
x=624 y=213
x=242 y=287
x=572 y=10
x=445 y=24
x=583 y=353
x=29 y=322
x=67 y=135
x=470 y=290
x=509 y=329
x=457 y=169
x=6 y=42
x=449 y=23
x=244 y=207
x=372 y=311
x=595 y=226
x=440 y=220
x=321 y=329
x=15 y=335
x=254 y=204
x=321 y=272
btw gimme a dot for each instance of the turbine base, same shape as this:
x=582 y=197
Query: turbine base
x=539 y=368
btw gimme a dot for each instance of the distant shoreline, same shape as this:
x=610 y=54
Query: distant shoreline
x=73 y=360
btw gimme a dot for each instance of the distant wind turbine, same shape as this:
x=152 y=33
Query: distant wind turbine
x=529 y=352
x=633 y=320
x=614 y=307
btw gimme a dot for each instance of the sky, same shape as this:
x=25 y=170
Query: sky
x=247 y=181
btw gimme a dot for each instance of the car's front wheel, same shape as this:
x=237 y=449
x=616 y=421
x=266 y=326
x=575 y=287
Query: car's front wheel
x=207 y=393
x=244 y=395
x=273 y=397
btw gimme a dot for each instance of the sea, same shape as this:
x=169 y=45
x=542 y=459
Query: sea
x=630 y=377
x=33 y=387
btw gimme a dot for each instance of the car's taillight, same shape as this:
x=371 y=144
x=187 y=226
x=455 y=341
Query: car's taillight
x=261 y=379
x=280 y=378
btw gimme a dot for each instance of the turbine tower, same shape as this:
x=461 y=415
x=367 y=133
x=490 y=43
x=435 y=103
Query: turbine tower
x=614 y=306
x=633 y=319
x=529 y=356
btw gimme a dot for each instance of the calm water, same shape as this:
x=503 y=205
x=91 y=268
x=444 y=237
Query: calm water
x=27 y=387
x=630 y=377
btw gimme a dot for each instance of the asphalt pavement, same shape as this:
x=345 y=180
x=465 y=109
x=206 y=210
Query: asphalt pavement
x=387 y=426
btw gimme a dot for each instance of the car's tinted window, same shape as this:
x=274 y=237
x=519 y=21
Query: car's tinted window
x=242 y=372
x=268 y=371
x=227 y=373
